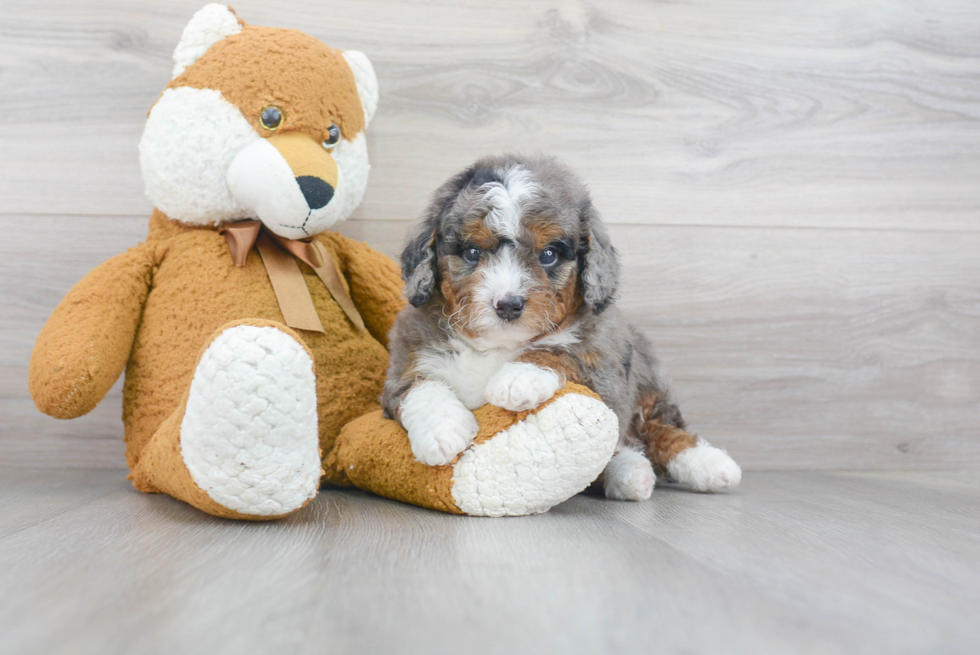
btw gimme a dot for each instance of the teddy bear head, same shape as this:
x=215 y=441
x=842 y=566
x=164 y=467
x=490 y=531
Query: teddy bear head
x=259 y=123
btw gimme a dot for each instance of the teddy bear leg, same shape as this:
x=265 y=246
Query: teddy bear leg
x=244 y=442
x=520 y=462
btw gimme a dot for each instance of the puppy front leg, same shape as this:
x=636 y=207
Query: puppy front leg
x=531 y=380
x=521 y=385
x=628 y=476
x=439 y=425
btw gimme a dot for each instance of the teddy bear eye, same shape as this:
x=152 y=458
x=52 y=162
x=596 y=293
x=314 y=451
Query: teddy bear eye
x=271 y=117
x=472 y=254
x=333 y=136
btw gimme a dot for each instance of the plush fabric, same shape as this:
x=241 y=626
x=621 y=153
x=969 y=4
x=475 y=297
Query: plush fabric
x=536 y=453
x=225 y=406
x=86 y=342
x=321 y=91
x=185 y=461
x=197 y=289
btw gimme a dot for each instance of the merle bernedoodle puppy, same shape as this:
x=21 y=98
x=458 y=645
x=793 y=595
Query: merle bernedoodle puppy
x=512 y=280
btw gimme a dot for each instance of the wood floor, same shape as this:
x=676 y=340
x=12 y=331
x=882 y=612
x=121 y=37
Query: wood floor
x=790 y=563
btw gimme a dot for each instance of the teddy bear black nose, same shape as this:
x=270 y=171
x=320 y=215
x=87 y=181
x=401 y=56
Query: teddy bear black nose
x=509 y=308
x=317 y=192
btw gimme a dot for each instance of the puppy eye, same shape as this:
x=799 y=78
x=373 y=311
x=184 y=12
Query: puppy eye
x=271 y=117
x=333 y=136
x=548 y=256
x=472 y=254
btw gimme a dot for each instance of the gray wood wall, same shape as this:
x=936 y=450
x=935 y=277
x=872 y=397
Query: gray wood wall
x=794 y=187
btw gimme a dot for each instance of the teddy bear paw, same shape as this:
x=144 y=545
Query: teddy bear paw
x=249 y=434
x=541 y=461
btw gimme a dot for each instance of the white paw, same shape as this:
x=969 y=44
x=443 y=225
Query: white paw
x=518 y=386
x=629 y=476
x=705 y=468
x=249 y=435
x=447 y=437
x=439 y=426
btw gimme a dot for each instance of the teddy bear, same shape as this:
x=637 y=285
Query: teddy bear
x=253 y=338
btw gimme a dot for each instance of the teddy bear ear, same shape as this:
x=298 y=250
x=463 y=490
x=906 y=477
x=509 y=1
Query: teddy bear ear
x=367 y=82
x=209 y=25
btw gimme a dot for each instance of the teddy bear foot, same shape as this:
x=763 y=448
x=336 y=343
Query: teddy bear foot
x=244 y=443
x=539 y=462
x=249 y=433
x=520 y=462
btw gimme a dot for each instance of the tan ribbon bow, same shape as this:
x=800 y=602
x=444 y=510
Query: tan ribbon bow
x=279 y=256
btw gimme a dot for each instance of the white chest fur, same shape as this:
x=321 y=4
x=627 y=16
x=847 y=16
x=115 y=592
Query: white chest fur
x=465 y=369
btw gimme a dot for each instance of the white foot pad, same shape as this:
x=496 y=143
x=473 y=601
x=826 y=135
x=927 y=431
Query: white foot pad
x=629 y=476
x=705 y=468
x=249 y=435
x=517 y=386
x=545 y=459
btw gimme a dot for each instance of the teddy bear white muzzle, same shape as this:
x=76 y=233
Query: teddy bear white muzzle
x=288 y=182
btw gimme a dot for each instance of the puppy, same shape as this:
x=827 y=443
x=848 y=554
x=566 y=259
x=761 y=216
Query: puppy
x=512 y=277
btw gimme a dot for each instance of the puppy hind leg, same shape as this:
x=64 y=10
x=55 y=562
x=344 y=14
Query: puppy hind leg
x=683 y=456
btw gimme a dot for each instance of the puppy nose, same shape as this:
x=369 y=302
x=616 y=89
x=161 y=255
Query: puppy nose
x=509 y=308
x=317 y=192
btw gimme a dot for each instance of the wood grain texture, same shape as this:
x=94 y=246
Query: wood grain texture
x=708 y=112
x=793 y=188
x=792 y=348
x=789 y=563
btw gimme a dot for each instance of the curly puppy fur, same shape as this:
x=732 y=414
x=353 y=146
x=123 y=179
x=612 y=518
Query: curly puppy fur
x=512 y=280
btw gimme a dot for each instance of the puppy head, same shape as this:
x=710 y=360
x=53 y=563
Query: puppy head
x=511 y=248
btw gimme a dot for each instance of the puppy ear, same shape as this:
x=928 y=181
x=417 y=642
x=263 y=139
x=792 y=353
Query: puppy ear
x=419 y=265
x=598 y=261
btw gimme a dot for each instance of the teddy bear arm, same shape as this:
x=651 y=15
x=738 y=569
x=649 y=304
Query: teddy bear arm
x=375 y=286
x=86 y=342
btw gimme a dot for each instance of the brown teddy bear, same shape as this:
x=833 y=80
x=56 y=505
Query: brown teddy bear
x=254 y=339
